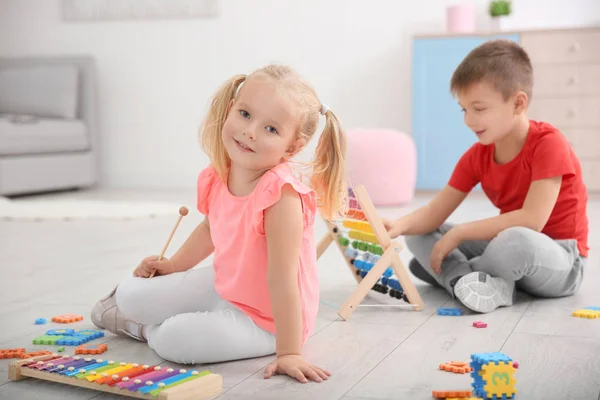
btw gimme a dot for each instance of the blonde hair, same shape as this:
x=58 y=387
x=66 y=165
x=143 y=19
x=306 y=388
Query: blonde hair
x=328 y=178
x=502 y=62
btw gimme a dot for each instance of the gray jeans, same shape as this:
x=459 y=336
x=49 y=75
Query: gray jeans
x=537 y=264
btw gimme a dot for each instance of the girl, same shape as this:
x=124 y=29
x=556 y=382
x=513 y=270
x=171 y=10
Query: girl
x=261 y=296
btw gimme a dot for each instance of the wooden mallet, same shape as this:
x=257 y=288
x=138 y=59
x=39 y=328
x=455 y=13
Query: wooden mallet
x=183 y=211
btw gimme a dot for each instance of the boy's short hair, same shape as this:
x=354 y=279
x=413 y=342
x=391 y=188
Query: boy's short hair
x=503 y=63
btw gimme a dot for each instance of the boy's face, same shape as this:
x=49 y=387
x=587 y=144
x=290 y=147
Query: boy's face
x=486 y=112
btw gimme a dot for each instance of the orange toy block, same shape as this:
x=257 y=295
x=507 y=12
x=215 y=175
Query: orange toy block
x=67 y=318
x=11 y=353
x=36 y=354
x=457 y=367
x=91 y=349
x=461 y=394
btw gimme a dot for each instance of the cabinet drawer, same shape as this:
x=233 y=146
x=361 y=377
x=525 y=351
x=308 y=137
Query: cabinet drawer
x=585 y=142
x=562 y=47
x=556 y=80
x=577 y=112
x=590 y=170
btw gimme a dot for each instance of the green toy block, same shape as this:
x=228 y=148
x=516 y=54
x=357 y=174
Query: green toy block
x=47 y=339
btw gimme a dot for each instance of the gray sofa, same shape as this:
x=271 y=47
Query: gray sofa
x=48 y=124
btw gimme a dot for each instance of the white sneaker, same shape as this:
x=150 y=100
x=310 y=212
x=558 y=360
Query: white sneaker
x=483 y=293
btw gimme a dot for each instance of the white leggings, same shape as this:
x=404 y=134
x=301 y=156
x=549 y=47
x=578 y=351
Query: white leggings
x=188 y=322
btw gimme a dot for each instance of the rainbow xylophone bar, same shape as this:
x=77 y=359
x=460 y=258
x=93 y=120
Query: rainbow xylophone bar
x=125 y=379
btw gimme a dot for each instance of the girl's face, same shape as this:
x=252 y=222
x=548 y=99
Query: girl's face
x=261 y=129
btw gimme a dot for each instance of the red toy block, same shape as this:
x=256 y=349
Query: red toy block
x=11 y=353
x=67 y=318
x=458 y=394
x=515 y=365
x=479 y=324
x=91 y=349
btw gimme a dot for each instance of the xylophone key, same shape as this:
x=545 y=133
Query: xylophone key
x=42 y=365
x=140 y=378
x=178 y=380
x=75 y=367
x=106 y=375
x=154 y=383
x=88 y=369
x=126 y=375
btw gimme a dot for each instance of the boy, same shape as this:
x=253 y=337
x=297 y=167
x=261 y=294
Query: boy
x=528 y=171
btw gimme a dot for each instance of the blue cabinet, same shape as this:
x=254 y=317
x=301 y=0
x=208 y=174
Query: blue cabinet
x=440 y=135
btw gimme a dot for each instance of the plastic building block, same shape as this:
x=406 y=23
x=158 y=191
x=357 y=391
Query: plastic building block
x=11 y=353
x=586 y=313
x=479 y=324
x=60 y=349
x=493 y=376
x=458 y=367
x=593 y=308
x=68 y=337
x=449 y=311
x=516 y=365
x=91 y=349
x=67 y=318
x=464 y=398
x=93 y=334
x=46 y=339
x=461 y=394
x=60 y=332
x=40 y=321
x=36 y=354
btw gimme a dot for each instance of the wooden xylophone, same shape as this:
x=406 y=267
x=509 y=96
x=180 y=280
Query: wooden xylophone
x=125 y=379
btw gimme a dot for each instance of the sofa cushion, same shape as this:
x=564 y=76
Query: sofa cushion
x=43 y=91
x=32 y=135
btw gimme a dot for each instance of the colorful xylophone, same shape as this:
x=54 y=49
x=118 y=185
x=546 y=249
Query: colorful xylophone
x=126 y=379
x=370 y=253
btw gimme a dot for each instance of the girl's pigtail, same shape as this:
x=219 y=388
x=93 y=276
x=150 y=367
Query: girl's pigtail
x=213 y=124
x=329 y=175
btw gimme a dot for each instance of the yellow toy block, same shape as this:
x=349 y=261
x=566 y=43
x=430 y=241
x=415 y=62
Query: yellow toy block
x=591 y=314
x=365 y=237
x=499 y=379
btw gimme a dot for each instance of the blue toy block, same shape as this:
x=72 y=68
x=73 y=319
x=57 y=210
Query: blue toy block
x=40 y=321
x=94 y=334
x=593 y=308
x=61 y=332
x=449 y=311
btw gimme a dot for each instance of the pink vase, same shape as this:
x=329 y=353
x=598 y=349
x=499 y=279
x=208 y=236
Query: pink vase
x=460 y=18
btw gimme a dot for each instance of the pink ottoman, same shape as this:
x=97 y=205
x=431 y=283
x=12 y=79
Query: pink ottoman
x=385 y=162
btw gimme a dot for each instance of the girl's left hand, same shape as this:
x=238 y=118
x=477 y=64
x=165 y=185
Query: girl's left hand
x=296 y=367
x=443 y=247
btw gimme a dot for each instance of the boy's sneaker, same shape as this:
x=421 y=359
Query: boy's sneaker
x=106 y=315
x=483 y=293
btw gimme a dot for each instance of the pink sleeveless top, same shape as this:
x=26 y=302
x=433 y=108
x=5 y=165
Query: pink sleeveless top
x=240 y=256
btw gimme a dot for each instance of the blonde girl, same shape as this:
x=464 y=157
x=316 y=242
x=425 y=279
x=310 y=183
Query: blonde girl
x=261 y=295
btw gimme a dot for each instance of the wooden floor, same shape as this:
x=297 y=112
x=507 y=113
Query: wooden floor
x=50 y=268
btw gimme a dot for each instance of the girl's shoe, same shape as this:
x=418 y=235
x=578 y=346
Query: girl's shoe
x=106 y=315
x=483 y=293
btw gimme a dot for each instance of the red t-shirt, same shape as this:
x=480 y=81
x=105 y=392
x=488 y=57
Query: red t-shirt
x=546 y=154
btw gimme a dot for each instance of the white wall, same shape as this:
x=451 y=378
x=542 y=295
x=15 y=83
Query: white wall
x=155 y=77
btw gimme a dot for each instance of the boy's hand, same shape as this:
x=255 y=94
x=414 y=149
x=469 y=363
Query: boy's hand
x=296 y=367
x=393 y=227
x=150 y=264
x=443 y=247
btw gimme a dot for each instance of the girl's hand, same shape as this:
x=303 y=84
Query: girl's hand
x=296 y=367
x=150 y=264
x=443 y=247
